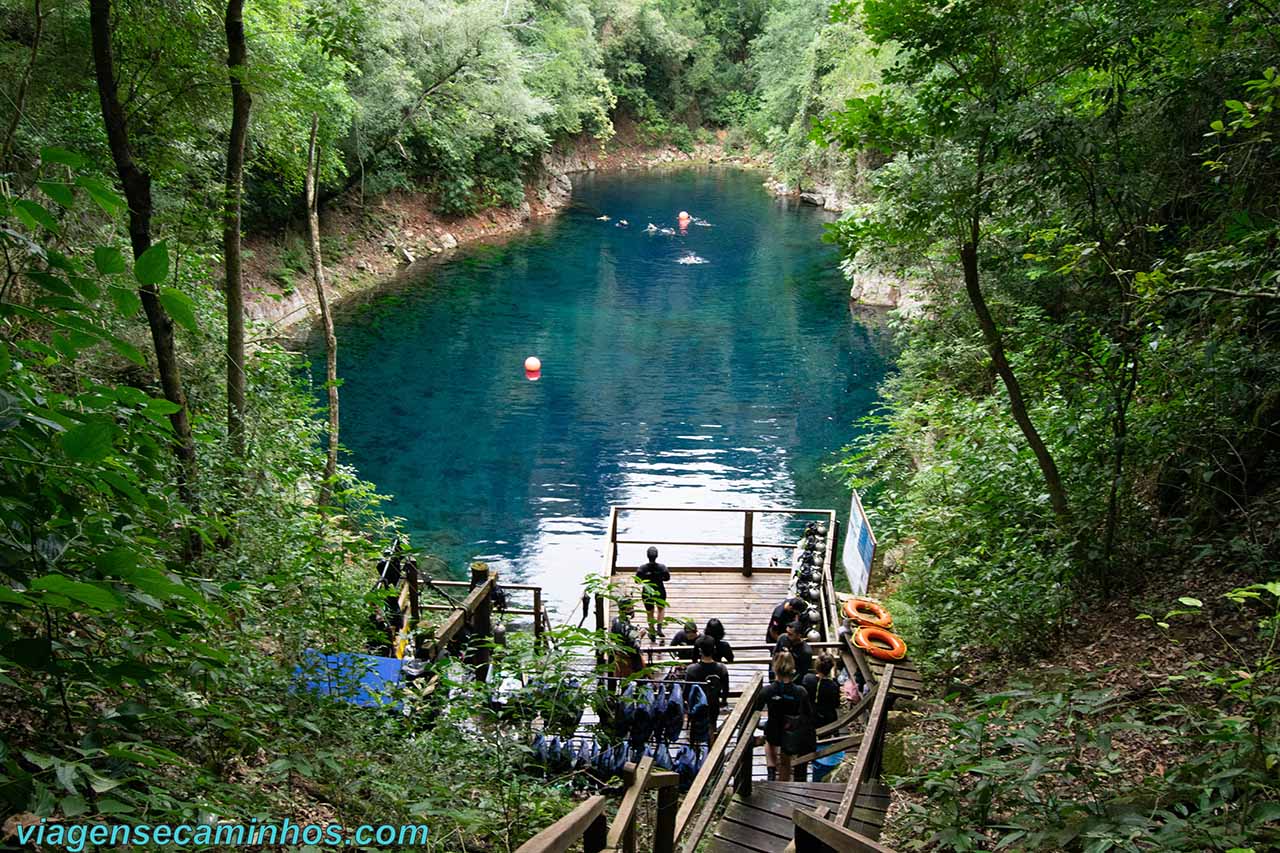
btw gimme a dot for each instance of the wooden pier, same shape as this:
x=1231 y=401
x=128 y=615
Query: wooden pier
x=739 y=583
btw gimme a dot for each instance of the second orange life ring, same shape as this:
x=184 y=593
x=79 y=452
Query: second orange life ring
x=864 y=611
x=874 y=641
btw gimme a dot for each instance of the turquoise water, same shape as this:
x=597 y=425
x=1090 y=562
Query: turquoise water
x=726 y=383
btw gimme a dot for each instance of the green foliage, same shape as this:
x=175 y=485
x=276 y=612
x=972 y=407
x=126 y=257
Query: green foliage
x=1128 y=248
x=1046 y=765
x=138 y=683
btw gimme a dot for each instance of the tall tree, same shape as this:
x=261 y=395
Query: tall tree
x=330 y=339
x=237 y=65
x=965 y=76
x=137 y=191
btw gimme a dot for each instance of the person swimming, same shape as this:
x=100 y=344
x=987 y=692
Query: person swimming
x=667 y=231
x=602 y=218
x=651 y=228
x=621 y=223
x=691 y=258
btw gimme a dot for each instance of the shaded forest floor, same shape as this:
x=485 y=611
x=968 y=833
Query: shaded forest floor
x=1114 y=647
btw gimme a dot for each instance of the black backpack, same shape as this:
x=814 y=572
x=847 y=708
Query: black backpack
x=799 y=734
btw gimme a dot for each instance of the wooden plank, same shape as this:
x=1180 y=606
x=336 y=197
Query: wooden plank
x=622 y=830
x=820 y=835
x=715 y=755
x=750 y=837
x=870 y=739
x=564 y=833
x=713 y=799
x=745 y=810
x=829 y=749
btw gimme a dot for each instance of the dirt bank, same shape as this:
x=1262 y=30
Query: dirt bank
x=367 y=241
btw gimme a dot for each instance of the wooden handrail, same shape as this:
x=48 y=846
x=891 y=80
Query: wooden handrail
x=586 y=822
x=756 y=509
x=814 y=833
x=870 y=742
x=746 y=742
x=622 y=830
x=715 y=756
x=736 y=544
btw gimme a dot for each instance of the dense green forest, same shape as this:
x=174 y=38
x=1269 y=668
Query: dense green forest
x=1085 y=419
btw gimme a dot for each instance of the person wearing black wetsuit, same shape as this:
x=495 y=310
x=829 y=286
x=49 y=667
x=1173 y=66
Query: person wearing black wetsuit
x=714 y=675
x=823 y=691
x=783 y=615
x=789 y=730
x=724 y=651
x=626 y=659
x=794 y=641
x=653 y=590
x=687 y=636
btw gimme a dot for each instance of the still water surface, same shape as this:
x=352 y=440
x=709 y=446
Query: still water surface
x=731 y=382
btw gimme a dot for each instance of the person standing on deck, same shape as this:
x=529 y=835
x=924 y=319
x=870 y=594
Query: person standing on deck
x=653 y=591
x=714 y=675
x=783 y=615
x=687 y=636
x=789 y=729
x=794 y=641
x=823 y=691
x=626 y=658
x=724 y=651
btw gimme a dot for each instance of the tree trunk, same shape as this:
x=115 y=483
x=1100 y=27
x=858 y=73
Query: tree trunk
x=330 y=339
x=137 y=192
x=237 y=61
x=995 y=346
x=20 y=97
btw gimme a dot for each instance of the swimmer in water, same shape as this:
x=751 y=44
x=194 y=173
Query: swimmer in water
x=704 y=223
x=602 y=218
x=668 y=231
x=651 y=228
x=691 y=258
x=621 y=223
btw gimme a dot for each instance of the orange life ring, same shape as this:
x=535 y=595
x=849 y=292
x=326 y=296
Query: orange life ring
x=864 y=611
x=869 y=639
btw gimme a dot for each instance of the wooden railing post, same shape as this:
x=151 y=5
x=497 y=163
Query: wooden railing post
x=748 y=522
x=742 y=784
x=412 y=619
x=482 y=620
x=664 y=830
x=538 y=639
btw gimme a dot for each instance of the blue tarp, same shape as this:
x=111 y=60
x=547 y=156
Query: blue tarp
x=365 y=680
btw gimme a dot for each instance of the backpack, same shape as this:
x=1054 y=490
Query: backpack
x=799 y=734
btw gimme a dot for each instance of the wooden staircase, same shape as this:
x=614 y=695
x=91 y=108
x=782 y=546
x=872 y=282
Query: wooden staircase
x=763 y=821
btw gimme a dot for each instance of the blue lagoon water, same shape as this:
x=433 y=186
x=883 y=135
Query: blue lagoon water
x=726 y=383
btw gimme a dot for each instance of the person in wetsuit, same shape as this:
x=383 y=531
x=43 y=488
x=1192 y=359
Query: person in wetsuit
x=687 y=636
x=794 y=641
x=823 y=690
x=724 y=651
x=789 y=730
x=626 y=658
x=783 y=615
x=714 y=675
x=653 y=590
